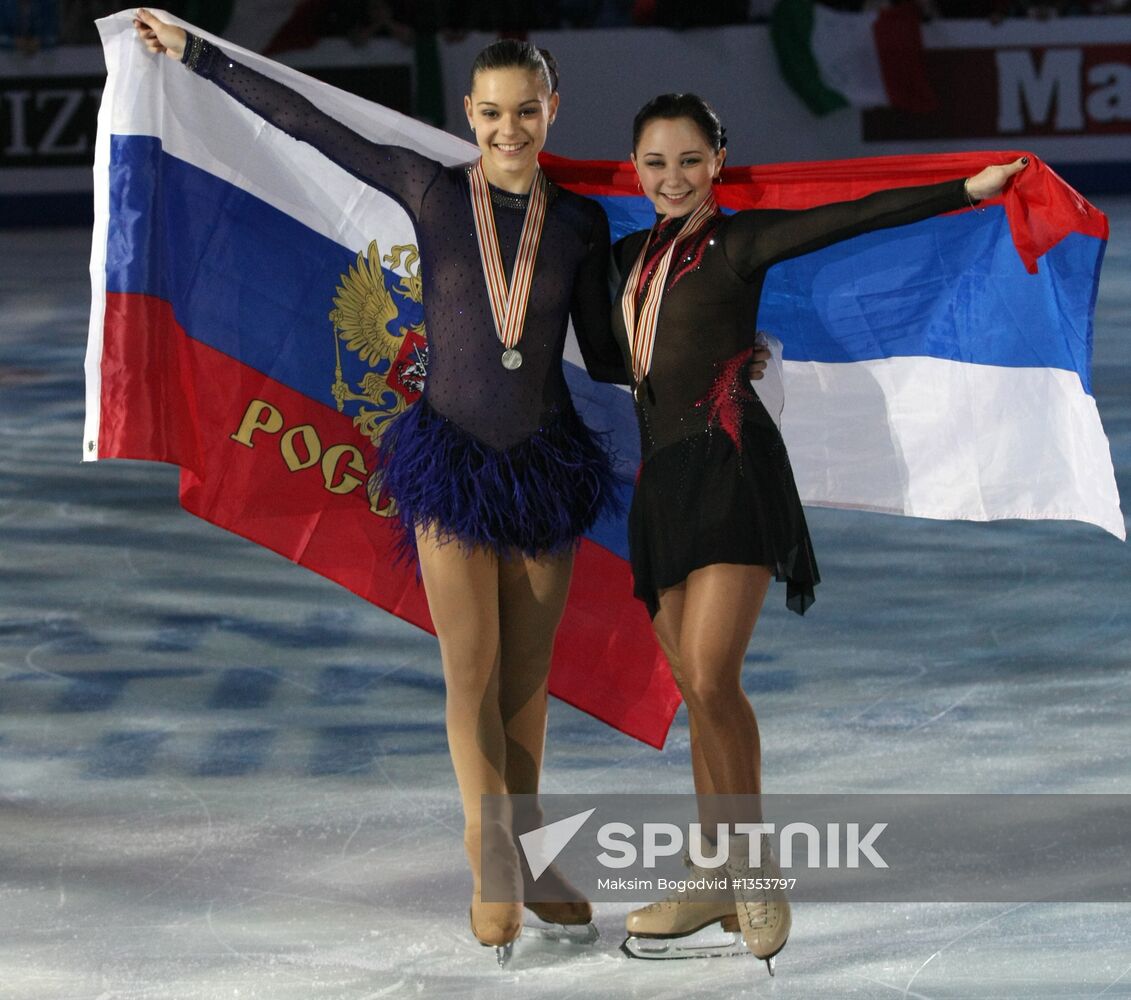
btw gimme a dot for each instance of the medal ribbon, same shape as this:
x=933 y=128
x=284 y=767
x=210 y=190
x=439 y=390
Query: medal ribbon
x=508 y=305
x=642 y=329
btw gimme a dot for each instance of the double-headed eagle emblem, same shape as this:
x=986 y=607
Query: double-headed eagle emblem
x=367 y=319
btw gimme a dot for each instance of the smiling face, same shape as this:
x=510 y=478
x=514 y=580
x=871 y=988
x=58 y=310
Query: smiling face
x=510 y=110
x=676 y=165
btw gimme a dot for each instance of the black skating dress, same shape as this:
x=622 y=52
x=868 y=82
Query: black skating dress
x=715 y=484
x=492 y=457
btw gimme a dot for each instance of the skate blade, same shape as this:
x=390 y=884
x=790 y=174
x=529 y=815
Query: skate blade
x=580 y=934
x=706 y=943
x=503 y=952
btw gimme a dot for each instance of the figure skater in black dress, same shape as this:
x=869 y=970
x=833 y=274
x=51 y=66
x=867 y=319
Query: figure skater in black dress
x=716 y=515
x=494 y=475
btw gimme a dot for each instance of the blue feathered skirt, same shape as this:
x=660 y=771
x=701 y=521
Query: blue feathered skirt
x=538 y=496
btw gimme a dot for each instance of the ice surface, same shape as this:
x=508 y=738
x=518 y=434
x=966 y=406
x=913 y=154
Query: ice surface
x=224 y=777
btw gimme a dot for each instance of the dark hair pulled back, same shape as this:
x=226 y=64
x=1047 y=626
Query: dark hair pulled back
x=691 y=106
x=514 y=53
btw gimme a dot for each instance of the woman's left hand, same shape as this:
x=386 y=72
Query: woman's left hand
x=159 y=36
x=989 y=182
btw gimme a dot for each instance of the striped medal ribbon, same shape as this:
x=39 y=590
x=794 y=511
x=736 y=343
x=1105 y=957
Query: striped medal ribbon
x=508 y=303
x=641 y=329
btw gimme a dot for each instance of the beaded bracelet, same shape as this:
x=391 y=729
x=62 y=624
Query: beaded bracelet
x=195 y=49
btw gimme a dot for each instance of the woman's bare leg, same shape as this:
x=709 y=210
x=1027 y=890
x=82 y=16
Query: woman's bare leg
x=704 y=626
x=706 y=663
x=720 y=609
x=667 y=625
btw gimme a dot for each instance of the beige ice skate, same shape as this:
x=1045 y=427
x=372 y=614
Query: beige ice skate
x=760 y=900
x=495 y=924
x=567 y=916
x=563 y=913
x=667 y=928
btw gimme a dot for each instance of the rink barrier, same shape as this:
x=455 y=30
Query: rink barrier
x=1054 y=87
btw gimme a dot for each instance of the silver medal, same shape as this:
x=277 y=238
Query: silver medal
x=511 y=359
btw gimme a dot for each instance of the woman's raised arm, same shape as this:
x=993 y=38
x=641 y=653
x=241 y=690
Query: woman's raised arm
x=760 y=237
x=402 y=173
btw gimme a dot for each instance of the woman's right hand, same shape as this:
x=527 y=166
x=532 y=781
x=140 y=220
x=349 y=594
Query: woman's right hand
x=159 y=36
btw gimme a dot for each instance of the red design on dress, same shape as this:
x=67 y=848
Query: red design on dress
x=658 y=245
x=729 y=392
x=690 y=255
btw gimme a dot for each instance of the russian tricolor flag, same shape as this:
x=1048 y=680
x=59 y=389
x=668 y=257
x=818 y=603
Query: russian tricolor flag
x=935 y=370
x=234 y=271
x=237 y=277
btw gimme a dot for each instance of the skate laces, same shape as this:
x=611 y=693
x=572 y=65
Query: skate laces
x=688 y=893
x=751 y=886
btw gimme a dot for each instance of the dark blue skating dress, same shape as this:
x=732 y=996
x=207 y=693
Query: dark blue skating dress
x=489 y=456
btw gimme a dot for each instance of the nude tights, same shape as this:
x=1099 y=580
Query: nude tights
x=495 y=619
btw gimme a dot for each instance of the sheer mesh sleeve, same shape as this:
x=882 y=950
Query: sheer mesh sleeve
x=590 y=309
x=760 y=237
x=401 y=173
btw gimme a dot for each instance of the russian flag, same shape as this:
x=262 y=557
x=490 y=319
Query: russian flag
x=937 y=370
x=235 y=273
x=928 y=371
